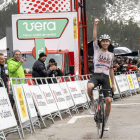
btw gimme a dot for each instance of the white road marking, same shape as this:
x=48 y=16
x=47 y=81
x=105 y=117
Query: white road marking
x=126 y=104
x=73 y=119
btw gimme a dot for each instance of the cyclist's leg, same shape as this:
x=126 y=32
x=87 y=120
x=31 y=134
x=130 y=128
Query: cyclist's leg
x=92 y=83
x=107 y=96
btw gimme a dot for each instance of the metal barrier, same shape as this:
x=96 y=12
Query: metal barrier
x=39 y=98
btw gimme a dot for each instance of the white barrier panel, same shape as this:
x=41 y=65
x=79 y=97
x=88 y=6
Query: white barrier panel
x=120 y=83
x=45 y=89
x=125 y=81
x=116 y=91
x=39 y=100
x=67 y=94
x=21 y=102
x=130 y=81
x=135 y=81
x=29 y=99
x=7 y=118
x=82 y=88
x=84 y=83
x=76 y=92
x=59 y=97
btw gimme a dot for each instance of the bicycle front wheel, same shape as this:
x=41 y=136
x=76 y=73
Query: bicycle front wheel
x=100 y=122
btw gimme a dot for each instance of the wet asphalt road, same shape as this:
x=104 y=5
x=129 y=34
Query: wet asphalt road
x=124 y=124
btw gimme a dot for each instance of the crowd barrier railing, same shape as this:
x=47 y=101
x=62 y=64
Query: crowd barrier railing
x=39 y=98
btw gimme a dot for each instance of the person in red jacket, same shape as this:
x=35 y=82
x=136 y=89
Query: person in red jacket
x=132 y=66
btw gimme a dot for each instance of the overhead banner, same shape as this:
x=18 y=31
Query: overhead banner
x=7 y=117
x=21 y=102
x=75 y=92
x=59 y=97
x=29 y=99
x=39 y=100
x=135 y=81
x=41 y=28
x=45 y=89
x=138 y=78
x=130 y=81
x=67 y=94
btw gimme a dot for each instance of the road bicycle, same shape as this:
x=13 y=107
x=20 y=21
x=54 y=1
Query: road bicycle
x=99 y=111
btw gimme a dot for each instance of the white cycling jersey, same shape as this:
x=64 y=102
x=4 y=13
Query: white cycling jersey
x=103 y=61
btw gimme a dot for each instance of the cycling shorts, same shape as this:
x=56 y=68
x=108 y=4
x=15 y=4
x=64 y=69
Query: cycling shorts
x=102 y=79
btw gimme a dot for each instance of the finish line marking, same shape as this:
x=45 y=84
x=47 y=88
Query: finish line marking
x=73 y=119
x=126 y=104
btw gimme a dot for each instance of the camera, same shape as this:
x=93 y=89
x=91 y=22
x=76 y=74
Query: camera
x=55 y=63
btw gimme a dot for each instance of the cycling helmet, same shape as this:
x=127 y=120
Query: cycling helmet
x=102 y=37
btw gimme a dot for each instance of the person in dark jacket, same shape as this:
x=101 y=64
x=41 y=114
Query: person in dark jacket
x=54 y=73
x=39 y=69
x=2 y=70
x=90 y=65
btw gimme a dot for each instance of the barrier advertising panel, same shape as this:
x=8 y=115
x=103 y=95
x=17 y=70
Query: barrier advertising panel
x=21 y=102
x=29 y=99
x=130 y=81
x=59 y=97
x=135 y=81
x=84 y=83
x=116 y=91
x=39 y=100
x=76 y=92
x=67 y=94
x=125 y=81
x=138 y=78
x=120 y=83
x=82 y=90
x=45 y=89
x=7 y=118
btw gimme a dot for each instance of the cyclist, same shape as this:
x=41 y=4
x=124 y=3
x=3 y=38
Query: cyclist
x=103 y=67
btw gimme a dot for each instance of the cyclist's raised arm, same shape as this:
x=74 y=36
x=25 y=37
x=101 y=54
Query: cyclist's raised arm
x=95 y=29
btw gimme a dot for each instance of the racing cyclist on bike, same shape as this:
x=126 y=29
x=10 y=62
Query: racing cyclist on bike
x=103 y=67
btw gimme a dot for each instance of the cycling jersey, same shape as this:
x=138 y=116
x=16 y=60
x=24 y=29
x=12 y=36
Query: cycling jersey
x=103 y=61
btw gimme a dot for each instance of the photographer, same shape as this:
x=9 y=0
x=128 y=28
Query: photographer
x=55 y=72
x=119 y=64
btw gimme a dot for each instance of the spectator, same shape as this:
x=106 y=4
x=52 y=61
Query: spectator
x=119 y=64
x=14 y=66
x=55 y=72
x=2 y=69
x=91 y=65
x=132 y=66
x=15 y=69
x=39 y=69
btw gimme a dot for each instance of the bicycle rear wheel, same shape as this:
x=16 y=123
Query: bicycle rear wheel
x=100 y=122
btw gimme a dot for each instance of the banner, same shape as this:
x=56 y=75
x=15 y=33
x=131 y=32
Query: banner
x=125 y=81
x=135 y=81
x=130 y=81
x=7 y=117
x=21 y=102
x=75 y=92
x=67 y=94
x=120 y=83
x=29 y=100
x=59 y=97
x=45 y=89
x=39 y=100
x=116 y=91
x=138 y=78
x=84 y=83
